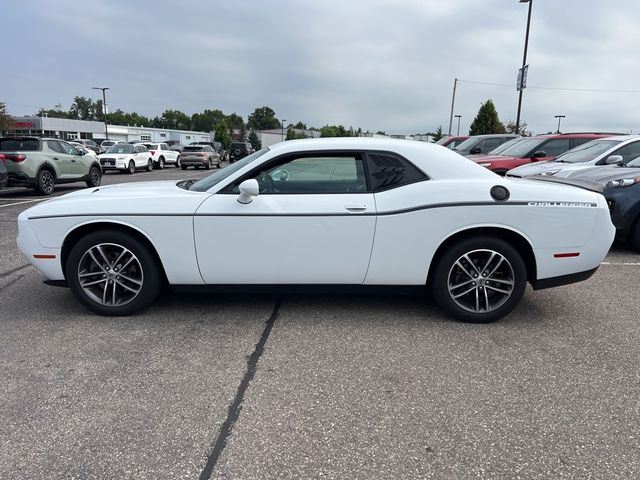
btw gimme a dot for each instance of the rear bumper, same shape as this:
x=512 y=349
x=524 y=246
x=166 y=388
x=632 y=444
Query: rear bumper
x=20 y=180
x=192 y=161
x=562 y=279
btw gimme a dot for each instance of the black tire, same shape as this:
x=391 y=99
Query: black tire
x=197 y=167
x=219 y=163
x=132 y=167
x=208 y=165
x=482 y=290
x=634 y=237
x=45 y=182
x=95 y=177
x=184 y=167
x=149 y=166
x=151 y=272
x=177 y=164
x=161 y=163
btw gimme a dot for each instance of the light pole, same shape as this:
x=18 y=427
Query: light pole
x=524 y=63
x=559 y=117
x=282 y=127
x=453 y=101
x=458 y=117
x=104 y=109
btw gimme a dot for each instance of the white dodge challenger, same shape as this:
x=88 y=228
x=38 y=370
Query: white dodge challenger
x=361 y=213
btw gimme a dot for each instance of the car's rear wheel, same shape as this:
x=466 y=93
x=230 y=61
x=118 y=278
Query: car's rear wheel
x=208 y=164
x=45 y=182
x=112 y=273
x=95 y=177
x=178 y=161
x=219 y=164
x=161 y=163
x=184 y=167
x=479 y=279
x=132 y=167
x=149 y=166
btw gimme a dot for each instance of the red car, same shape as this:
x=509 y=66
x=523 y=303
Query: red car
x=451 y=141
x=535 y=149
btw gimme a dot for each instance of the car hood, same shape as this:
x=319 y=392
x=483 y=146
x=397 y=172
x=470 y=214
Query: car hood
x=605 y=174
x=115 y=155
x=490 y=158
x=538 y=168
x=135 y=198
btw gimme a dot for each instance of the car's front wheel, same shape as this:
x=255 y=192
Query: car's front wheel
x=45 y=182
x=132 y=167
x=112 y=273
x=479 y=279
x=149 y=166
x=95 y=177
x=177 y=165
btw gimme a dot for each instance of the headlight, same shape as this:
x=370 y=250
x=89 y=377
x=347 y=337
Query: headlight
x=551 y=172
x=623 y=182
x=485 y=164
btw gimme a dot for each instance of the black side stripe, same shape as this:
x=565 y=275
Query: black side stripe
x=345 y=214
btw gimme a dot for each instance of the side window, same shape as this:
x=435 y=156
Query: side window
x=490 y=143
x=68 y=149
x=340 y=173
x=628 y=152
x=54 y=146
x=164 y=146
x=579 y=141
x=555 y=147
x=388 y=171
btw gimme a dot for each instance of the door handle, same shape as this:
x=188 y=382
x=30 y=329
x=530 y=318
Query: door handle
x=356 y=208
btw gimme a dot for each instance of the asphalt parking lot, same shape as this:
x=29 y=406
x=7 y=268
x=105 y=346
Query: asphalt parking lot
x=255 y=387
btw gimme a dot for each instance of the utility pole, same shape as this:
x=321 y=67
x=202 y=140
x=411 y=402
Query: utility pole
x=458 y=117
x=104 y=109
x=453 y=101
x=523 y=74
x=559 y=117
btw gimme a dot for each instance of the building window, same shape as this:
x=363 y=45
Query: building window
x=71 y=136
x=163 y=134
x=145 y=138
x=188 y=137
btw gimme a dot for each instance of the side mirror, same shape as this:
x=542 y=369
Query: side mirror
x=248 y=190
x=539 y=154
x=614 y=160
x=475 y=150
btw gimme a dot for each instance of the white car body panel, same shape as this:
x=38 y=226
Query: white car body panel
x=307 y=245
x=314 y=239
x=122 y=160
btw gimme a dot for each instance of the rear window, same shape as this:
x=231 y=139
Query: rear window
x=193 y=149
x=151 y=146
x=24 y=145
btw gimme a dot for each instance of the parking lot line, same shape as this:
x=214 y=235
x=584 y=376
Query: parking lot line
x=632 y=264
x=24 y=201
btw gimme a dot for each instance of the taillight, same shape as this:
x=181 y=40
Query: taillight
x=20 y=157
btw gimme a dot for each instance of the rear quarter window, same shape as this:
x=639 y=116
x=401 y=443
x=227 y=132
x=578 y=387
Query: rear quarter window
x=13 y=145
x=388 y=171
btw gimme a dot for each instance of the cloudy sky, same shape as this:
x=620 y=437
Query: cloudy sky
x=376 y=64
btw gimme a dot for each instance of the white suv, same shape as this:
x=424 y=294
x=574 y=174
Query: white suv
x=161 y=154
x=126 y=158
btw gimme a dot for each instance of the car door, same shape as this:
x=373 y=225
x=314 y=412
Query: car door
x=312 y=223
x=552 y=148
x=169 y=154
x=66 y=158
x=141 y=155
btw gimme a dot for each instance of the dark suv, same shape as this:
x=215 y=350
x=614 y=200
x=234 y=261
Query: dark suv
x=239 y=150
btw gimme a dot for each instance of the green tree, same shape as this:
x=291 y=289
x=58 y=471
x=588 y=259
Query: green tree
x=255 y=140
x=486 y=120
x=173 y=119
x=291 y=134
x=207 y=120
x=222 y=134
x=335 y=131
x=300 y=125
x=263 y=118
x=82 y=108
x=438 y=134
x=510 y=127
x=5 y=118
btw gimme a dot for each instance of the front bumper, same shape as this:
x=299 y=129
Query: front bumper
x=46 y=260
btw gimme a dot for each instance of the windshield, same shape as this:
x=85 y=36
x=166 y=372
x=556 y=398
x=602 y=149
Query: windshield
x=107 y=143
x=443 y=140
x=523 y=147
x=193 y=149
x=633 y=163
x=121 y=148
x=468 y=143
x=501 y=148
x=587 y=151
x=208 y=182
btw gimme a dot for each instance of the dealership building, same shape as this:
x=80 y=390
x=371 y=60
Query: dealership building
x=67 y=129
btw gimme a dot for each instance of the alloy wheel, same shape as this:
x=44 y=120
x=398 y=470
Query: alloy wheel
x=481 y=281
x=110 y=274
